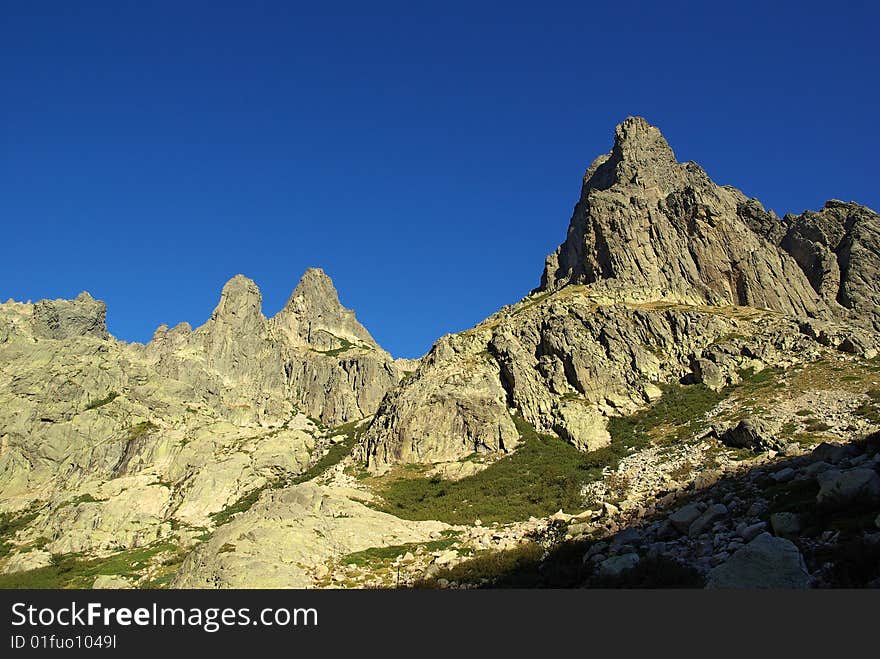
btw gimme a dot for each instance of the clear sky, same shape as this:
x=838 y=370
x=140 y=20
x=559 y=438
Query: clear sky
x=426 y=155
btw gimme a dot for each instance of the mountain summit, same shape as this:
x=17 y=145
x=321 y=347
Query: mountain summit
x=681 y=332
x=663 y=229
x=314 y=315
x=642 y=292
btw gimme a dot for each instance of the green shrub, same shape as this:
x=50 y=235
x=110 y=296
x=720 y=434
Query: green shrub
x=379 y=555
x=75 y=571
x=545 y=473
x=109 y=398
x=496 y=568
x=10 y=525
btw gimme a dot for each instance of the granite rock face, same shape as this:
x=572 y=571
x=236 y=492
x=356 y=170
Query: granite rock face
x=838 y=249
x=114 y=446
x=313 y=356
x=665 y=230
x=63 y=319
x=287 y=534
x=664 y=276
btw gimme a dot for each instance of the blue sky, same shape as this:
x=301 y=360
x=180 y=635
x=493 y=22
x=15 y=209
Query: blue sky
x=427 y=156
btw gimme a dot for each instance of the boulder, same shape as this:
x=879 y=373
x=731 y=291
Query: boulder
x=785 y=524
x=708 y=373
x=617 y=565
x=765 y=562
x=706 y=519
x=752 y=434
x=750 y=532
x=840 y=488
x=833 y=453
x=682 y=518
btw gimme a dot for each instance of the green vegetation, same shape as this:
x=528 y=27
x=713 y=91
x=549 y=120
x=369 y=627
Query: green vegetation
x=379 y=555
x=545 y=473
x=815 y=425
x=680 y=410
x=335 y=352
x=10 y=525
x=870 y=409
x=75 y=571
x=337 y=452
x=109 y=398
x=758 y=380
x=244 y=503
x=82 y=498
x=140 y=429
x=489 y=567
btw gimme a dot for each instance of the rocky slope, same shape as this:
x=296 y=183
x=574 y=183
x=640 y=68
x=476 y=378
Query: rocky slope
x=649 y=415
x=108 y=446
x=663 y=276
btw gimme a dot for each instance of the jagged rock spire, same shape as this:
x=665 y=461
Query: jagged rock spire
x=240 y=301
x=650 y=228
x=314 y=315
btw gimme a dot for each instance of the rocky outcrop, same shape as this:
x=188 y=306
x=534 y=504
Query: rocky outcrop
x=838 y=249
x=663 y=229
x=566 y=363
x=111 y=446
x=313 y=356
x=314 y=317
x=664 y=276
x=765 y=562
x=63 y=319
x=288 y=534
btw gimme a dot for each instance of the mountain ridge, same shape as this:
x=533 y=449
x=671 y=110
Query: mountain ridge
x=260 y=447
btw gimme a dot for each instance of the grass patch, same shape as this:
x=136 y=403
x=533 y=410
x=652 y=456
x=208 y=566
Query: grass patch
x=378 y=555
x=335 y=352
x=106 y=400
x=869 y=411
x=244 y=503
x=680 y=409
x=336 y=453
x=490 y=568
x=74 y=571
x=82 y=498
x=545 y=473
x=815 y=425
x=140 y=429
x=10 y=525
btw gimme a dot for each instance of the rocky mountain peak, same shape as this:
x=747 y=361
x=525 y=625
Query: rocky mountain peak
x=640 y=156
x=64 y=319
x=647 y=227
x=240 y=301
x=314 y=315
x=315 y=291
x=637 y=143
